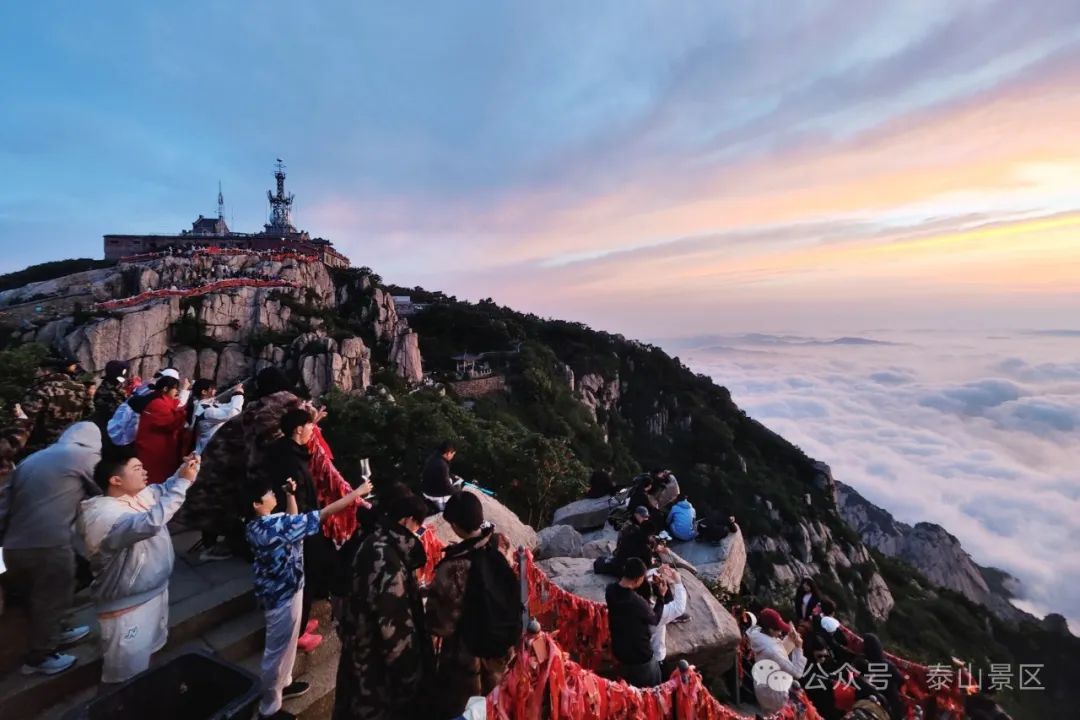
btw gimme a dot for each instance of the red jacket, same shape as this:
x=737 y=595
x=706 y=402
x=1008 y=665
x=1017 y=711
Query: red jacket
x=157 y=441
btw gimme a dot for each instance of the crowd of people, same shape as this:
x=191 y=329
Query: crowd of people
x=117 y=461
x=191 y=250
x=97 y=472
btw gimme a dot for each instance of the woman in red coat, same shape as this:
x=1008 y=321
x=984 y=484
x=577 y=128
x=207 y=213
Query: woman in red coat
x=160 y=434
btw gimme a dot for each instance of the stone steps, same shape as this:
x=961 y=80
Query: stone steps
x=211 y=607
x=319 y=669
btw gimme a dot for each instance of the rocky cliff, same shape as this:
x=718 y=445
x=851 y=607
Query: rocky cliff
x=931 y=550
x=226 y=335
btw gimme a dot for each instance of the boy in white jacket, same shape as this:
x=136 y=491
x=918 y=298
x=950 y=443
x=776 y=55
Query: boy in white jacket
x=131 y=553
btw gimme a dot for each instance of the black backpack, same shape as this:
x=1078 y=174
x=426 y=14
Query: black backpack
x=492 y=609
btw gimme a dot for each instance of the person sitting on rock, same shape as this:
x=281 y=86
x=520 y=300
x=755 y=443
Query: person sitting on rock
x=665 y=488
x=600 y=485
x=636 y=540
x=715 y=525
x=436 y=483
x=644 y=496
x=681 y=520
x=769 y=640
x=631 y=620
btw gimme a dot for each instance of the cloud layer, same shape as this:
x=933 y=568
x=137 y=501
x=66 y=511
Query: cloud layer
x=978 y=433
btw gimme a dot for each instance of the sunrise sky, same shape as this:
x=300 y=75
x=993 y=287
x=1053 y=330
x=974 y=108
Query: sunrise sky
x=654 y=168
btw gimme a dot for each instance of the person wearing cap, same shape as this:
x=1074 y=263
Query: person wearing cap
x=387 y=660
x=631 y=620
x=459 y=674
x=110 y=393
x=767 y=643
x=54 y=402
x=158 y=440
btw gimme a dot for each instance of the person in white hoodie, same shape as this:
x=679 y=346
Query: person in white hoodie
x=767 y=643
x=206 y=415
x=131 y=554
x=674 y=608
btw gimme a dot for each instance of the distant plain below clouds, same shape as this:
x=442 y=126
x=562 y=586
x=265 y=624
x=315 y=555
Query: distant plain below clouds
x=976 y=431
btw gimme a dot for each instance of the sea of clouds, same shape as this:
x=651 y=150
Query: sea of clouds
x=978 y=432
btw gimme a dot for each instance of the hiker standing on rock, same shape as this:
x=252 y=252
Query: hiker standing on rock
x=474 y=605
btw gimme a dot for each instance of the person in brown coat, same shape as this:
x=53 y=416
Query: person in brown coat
x=460 y=675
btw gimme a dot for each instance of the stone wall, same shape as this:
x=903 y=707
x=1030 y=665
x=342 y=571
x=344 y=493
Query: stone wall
x=479 y=387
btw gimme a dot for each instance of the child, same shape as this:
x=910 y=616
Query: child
x=277 y=541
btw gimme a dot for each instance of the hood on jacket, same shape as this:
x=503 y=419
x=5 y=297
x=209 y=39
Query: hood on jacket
x=83 y=434
x=115 y=370
x=466 y=546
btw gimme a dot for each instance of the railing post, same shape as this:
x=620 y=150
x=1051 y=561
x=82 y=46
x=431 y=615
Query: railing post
x=523 y=579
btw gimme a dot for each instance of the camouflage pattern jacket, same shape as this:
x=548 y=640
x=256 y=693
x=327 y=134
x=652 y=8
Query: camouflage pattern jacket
x=459 y=675
x=386 y=660
x=54 y=403
x=109 y=396
x=232 y=458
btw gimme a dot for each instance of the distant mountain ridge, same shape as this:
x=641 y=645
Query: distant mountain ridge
x=934 y=552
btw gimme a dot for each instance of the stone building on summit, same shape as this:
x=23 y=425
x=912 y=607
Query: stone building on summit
x=278 y=234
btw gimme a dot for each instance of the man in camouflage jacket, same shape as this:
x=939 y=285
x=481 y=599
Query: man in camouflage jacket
x=386 y=660
x=54 y=402
x=110 y=394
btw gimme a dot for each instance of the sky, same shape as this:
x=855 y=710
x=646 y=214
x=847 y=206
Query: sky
x=974 y=431
x=645 y=167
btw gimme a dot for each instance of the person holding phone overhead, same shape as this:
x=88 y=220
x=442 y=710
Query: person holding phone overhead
x=288 y=458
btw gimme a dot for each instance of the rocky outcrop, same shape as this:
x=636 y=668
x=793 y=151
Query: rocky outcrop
x=584 y=515
x=808 y=548
x=405 y=355
x=558 y=541
x=597 y=394
x=927 y=547
x=220 y=335
x=722 y=564
x=506 y=522
x=708 y=641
